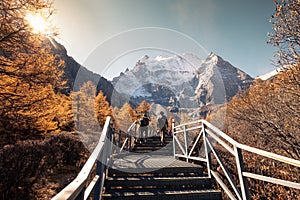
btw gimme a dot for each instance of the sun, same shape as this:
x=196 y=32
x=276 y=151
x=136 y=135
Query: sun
x=37 y=23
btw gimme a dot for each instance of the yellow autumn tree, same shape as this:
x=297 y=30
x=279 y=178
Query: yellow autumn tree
x=102 y=108
x=144 y=107
x=285 y=36
x=125 y=117
x=30 y=75
x=65 y=115
x=84 y=109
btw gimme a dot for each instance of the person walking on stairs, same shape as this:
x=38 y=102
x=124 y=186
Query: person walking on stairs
x=162 y=124
x=144 y=122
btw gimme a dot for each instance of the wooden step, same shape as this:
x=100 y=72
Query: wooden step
x=151 y=172
x=151 y=144
x=162 y=172
x=208 y=194
x=149 y=148
x=157 y=139
x=153 y=150
x=158 y=182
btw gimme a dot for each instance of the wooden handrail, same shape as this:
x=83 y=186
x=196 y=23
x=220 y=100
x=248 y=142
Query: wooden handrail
x=77 y=187
x=236 y=150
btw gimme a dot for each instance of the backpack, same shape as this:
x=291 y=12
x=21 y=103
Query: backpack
x=144 y=122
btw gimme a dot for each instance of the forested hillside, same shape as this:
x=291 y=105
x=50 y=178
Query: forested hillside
x=267 y=115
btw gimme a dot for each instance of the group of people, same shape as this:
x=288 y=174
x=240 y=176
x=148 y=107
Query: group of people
x=162 y=126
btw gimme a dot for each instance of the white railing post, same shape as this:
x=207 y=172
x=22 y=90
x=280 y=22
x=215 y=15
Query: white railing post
x=173 y=134
x=240 y=170
x=207 y=152
x=102 y=163
x=119 y=142
x=186 y=143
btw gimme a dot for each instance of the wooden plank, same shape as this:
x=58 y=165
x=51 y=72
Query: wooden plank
x=207 y=152
x=198 y=158
x=188 y=129
x=131 y=126
x=240 y=169
x=198 y=138
x=220 y=133
x=90 y=187
x=178 y=132
x=189 y=123
x=78 y=184
x=123 y=145
x=194 y=128
x=71 y=191
x=221 y=142
x=270 y=155
x=272 y=180
x=227 y=174
x=252 y=149
x=181 y=148
x=223 y=185
x=186 y=143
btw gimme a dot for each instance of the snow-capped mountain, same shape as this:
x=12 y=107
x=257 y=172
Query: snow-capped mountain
x=219 y=81
x=269 y=75
x=182 y=80
x=164 y=70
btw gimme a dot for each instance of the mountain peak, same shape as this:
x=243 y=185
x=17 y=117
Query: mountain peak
x=144 y=58
x=212 y=54
x=213 y=57
x=191 y=80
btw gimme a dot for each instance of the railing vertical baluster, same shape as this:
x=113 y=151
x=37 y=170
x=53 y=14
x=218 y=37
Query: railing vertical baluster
x=101 y=165
x=127 y=143
x=97 y=191
x=240 y=169
x=135 y=127
x=80 y=195
x=119 y=142
x=111 y=141
x=186 y=143
x=173 y=131
x=207 y=152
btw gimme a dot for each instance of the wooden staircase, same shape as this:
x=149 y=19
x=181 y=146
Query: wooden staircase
x=151 y=172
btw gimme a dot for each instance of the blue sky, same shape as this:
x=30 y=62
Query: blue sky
x=236 y=30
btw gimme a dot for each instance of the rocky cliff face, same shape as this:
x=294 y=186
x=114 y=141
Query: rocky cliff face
x=75 y=74
x=183 y=81
x=218 y=81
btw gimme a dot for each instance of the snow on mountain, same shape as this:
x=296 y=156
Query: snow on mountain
x=269 y=75
x=164 y=70
x=218 y=80
x=191 y=81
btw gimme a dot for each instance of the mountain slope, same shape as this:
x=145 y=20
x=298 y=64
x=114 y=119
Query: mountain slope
x=75 y=74
x=219 y=81
x=186 y=80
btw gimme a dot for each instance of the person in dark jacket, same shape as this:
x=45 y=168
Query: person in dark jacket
x=162 y=124
x=144 y=123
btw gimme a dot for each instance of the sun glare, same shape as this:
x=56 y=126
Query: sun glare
x=38 y=23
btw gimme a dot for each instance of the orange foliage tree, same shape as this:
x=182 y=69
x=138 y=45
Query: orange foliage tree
x=84 y=108
x=102 y=108
x=144 y=107
x=30 y=75
x=125 y=117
